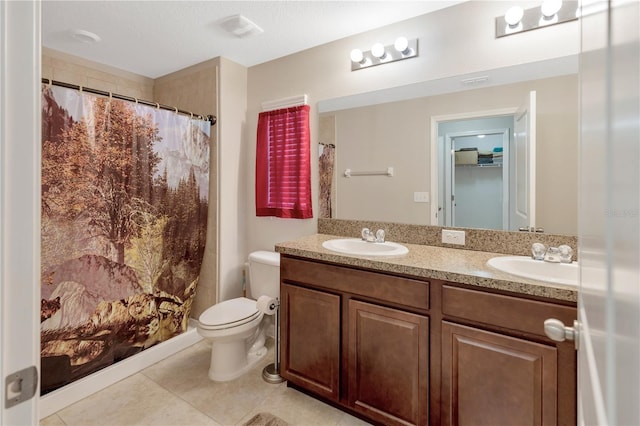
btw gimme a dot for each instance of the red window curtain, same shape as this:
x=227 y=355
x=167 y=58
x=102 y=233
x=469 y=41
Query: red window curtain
x=283 y=164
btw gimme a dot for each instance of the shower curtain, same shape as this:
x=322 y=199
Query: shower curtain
x=124 y=216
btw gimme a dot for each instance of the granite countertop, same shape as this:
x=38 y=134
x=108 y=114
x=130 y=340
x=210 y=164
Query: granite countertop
x=461 y=266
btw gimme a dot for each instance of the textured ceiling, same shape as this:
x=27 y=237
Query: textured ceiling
x=154 y=38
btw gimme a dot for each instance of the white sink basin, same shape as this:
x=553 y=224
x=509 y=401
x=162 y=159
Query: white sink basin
x=524 y=266
x=358 y=247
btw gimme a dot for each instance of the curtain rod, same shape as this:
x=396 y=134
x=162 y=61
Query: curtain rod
x=211 y=118
x=285 y=103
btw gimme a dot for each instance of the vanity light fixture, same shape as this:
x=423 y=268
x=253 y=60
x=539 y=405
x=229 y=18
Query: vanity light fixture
x=550 y=12
x=550 y=8
x=514 y=16
x=357 y=56
x=378 y=51
x=402 y=48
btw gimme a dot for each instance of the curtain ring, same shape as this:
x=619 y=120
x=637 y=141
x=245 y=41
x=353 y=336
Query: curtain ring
x=157 y=105
x=191 y=115
x=136 y=99
x=80 y=89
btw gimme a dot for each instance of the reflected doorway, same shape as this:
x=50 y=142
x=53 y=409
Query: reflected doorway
x=473 y=166
x=476 y=178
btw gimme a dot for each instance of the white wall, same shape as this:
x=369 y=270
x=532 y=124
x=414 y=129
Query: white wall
x=324 y=72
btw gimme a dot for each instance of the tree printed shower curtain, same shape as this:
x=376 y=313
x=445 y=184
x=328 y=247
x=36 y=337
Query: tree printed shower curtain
x=124 y=218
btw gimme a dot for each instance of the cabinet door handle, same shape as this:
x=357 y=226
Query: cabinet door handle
x=557 y=331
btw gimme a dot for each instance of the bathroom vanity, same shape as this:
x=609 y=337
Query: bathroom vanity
x=434 y=337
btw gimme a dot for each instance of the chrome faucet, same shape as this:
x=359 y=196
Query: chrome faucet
x=566 y=253
x=369 y=236
x=561 y=254
x=552 y=255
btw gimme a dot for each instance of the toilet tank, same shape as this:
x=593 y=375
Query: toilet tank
x=264 y=274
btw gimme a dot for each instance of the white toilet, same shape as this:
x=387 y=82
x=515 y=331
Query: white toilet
x=235 y=327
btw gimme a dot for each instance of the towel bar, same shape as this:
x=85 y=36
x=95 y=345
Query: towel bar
x=388 y=172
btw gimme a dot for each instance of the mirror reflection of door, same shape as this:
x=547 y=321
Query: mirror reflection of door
x=522 y=177
x=474 y=179
x=479 y=180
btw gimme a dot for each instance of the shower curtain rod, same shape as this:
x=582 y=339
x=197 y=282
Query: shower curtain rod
x=211 y=118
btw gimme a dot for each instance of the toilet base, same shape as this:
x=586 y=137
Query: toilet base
x=229 y=363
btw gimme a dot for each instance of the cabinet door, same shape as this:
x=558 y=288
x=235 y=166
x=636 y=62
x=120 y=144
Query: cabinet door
x=492 y=379
x=311 y=339
x=388 y=364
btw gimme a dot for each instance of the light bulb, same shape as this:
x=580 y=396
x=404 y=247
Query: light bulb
x=514 y=15
x=377 y=50
x=357 y=56
x=550 y=7
x=402 y=45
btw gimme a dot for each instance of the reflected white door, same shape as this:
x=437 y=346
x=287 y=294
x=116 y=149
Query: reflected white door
x=522 y=174
x=20 y=125
x=609 y=215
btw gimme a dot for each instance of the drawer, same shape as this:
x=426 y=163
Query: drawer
x=503 y=311
x=390 y=288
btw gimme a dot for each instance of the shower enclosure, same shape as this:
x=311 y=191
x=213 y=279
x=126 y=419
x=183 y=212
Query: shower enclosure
x=124 y=215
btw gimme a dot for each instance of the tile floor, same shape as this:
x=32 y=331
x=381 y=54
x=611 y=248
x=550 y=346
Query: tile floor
x=177 y=391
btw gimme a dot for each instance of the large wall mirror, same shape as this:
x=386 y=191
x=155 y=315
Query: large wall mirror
x=383 y=157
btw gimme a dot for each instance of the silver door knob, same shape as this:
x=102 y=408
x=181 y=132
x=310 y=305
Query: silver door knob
x=557 y=331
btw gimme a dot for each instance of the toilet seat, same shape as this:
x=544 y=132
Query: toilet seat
x=228 y=314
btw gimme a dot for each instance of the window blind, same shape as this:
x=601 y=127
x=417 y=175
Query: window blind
x=283 y=163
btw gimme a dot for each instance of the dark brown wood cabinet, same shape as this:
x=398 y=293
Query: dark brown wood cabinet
x=311 y=334
x=498 y=366
x=493 y=379
x=357 y=338
x=402 y=351
x=388 y=364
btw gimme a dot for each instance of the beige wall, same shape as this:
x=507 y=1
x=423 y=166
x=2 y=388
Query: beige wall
x=195 y=89
x=74 y=70
x=453 y=41
x=233 y=173
x=398 y=134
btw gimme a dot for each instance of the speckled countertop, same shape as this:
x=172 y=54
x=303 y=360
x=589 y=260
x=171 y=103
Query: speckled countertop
x=461 y=266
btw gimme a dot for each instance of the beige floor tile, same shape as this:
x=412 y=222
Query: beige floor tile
x=135 y=400
x=177 y=391
x=183 y=371
x=52 y=420
x=296 y=408
x=226 y=402
x=349 y=420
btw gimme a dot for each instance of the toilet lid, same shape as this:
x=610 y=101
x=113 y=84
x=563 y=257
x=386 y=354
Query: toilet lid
x=229 y=313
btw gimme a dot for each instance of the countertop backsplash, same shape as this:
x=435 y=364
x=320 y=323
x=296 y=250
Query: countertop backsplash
x=507 y=242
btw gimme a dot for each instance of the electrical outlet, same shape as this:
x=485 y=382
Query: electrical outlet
x=453 y=237
x=420 y=197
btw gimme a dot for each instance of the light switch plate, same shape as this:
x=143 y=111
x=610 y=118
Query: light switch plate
x=452 y=237
x=420 y=197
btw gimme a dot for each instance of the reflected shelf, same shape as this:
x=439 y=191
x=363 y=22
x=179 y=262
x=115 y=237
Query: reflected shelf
x=480 y=165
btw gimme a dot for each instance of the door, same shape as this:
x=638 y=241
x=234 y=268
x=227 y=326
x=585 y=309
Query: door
x=311 y=339
x=608 y=214
x=388 y=364
x=20 y=125
x=522 y=178
x=493 y=379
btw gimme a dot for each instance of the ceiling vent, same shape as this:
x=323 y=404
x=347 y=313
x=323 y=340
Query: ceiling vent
x=240 y=26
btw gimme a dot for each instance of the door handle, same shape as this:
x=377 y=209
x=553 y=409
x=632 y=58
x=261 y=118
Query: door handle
x=557 y=331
